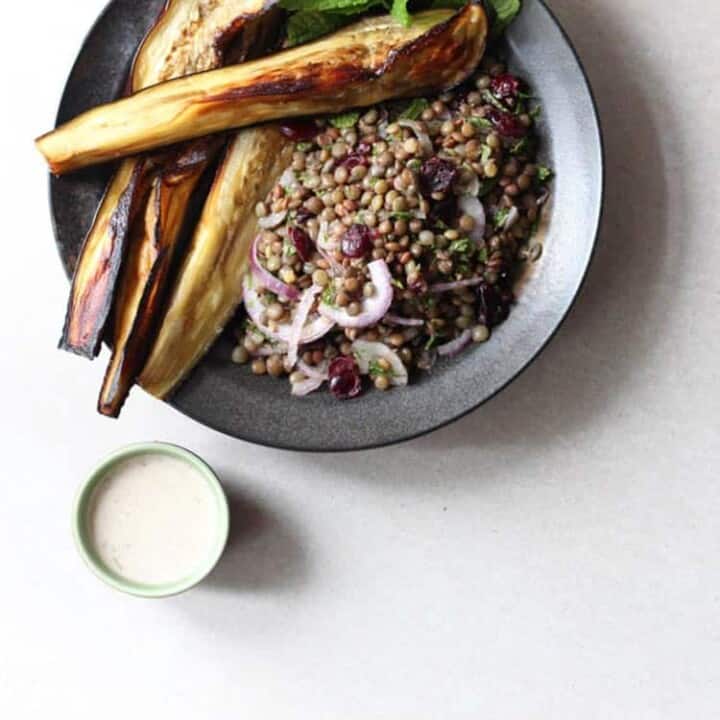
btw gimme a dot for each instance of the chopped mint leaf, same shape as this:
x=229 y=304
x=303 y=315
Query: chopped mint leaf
x=488 y=97
x=481 y=123
x=376 y=370
x=401 y=215
x=304 y=146
x=415 y=164
x=434 y=339
x=482 y=255
x=463 y=246
x=500 y=217
x=345 y=120
x=544 y=174
x=520 y=146
x=415 y=109
x=328 y=296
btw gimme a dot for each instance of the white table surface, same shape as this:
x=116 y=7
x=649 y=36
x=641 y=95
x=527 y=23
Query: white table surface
x=555 y=555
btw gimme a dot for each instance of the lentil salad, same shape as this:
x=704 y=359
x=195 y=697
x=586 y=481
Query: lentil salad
x=395 y=237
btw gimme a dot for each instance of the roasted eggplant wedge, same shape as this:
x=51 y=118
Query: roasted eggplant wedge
x=145 y=280
x=209 y=286
x=190 y=36
x=373 y=60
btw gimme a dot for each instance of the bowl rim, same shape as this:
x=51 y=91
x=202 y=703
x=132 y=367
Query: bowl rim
x=83 y=542
x=320 y=449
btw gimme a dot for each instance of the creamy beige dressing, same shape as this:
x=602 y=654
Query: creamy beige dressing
x=153 y=519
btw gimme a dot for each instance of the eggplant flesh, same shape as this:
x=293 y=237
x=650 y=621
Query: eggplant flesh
x=371 y=61
x=188 y=37
x=145 y=279
x=209 y=286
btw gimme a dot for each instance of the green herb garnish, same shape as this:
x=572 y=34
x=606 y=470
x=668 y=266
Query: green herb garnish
x=345 y=120
x=414 y=110
x=328 y=296
x=520 y=147
x=481 y=123
x=463 y=246
x=482 y=255
x=376 y=370
x=544 y=174
x=397 y=283
x=304 y=146
x=500 y=217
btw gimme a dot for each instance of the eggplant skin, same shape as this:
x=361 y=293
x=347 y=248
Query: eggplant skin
x=374 y=60
x=208 y=289
x=189 y=36
x=146 y=275
x=97 y=269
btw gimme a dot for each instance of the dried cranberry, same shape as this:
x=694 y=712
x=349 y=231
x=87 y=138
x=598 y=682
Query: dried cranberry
x=437 y=176
x=359 y=156
x=301 y=242
x=299 y=130
x=354 y=159
x=494 y=304
x=357 y=241
x=506 y=88
x=345 y=380
x=506 y=124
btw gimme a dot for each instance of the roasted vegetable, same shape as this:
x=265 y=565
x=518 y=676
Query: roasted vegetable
x=209 y=287
x=145 y=277
x=189 y=36
x=146 y=280
x=371 y=61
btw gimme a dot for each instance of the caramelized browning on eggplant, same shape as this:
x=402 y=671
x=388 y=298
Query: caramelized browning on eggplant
x=366 y=63
x=209 y=286
x=145 y=277
x=189 y=36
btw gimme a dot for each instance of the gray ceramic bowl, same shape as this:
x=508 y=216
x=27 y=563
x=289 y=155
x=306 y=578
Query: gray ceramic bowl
x=261 y=410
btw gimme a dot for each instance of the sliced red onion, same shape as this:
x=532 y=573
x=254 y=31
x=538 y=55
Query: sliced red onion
x=474 y=208
x=423 y=138
x=457 y=285
x=289 y=180
x=405 y=322
x=319 y=373
x=456 y=346
x=374 y=308
x=318 y=327
x=365 y=352
x=266 y=279
x=298 y=324
x=511 y=219
x=270 y=222
x=306 y=387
